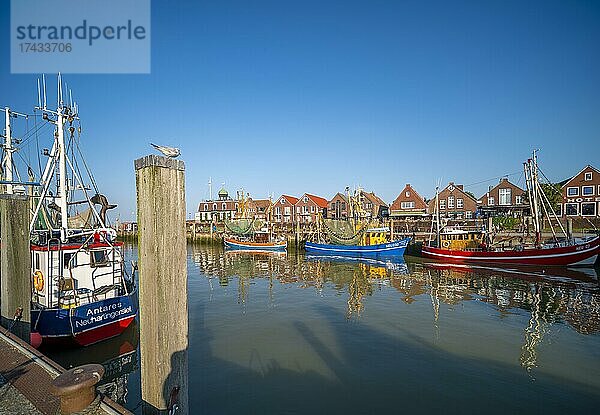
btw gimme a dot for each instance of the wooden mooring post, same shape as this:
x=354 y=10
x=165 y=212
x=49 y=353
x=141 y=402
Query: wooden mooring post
x=15 y=265
x=160 y=184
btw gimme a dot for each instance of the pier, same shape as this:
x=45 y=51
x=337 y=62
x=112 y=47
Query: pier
x=28 y=382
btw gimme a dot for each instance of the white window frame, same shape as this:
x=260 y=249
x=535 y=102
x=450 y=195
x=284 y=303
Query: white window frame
x=502 y=195
x=450 y=202
x=443 y=204
x=468 y=214
x=569 y=191
x=518 y=199
x=588 y=176
x=576 y=209
x=491 y=201
x=460 y=203
x=587 y=187
x=589 y=203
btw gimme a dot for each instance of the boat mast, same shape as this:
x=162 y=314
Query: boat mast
x=535 y=187
x=437 y=216
x=62 y=164
x=8 y=164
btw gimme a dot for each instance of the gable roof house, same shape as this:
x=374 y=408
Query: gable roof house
x=409 y=203
x=581 y=194
x=309 y=206
x=338 y=207
x=283 y=209
x=455 y=203
x=506 y=199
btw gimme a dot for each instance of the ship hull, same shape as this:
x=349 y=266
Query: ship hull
x=581 y=254
x=255 y=246
x=86 y=324
x=395 y=248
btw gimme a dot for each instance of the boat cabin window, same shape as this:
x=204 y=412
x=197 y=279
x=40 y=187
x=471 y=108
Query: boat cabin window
x=67 y=257
x=99 y=258
x=37 y=260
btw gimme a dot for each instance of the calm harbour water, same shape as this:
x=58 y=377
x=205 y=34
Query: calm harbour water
x=292 y=334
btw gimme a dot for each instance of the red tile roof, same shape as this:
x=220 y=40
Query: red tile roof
x=290 y=199
x=322 y=203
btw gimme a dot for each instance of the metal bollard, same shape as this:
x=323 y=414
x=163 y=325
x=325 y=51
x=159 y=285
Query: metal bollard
x=77 y=387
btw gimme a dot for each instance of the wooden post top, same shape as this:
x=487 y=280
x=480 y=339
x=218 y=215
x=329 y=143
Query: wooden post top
x=153 y=160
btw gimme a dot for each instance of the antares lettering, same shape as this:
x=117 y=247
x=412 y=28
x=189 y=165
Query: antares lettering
x=103 y=316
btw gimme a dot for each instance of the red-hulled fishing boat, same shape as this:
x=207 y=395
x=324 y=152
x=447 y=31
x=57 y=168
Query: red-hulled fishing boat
x=460 y=246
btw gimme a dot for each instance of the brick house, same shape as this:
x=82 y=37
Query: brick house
x=308 y=207
x=338 y=207
x=283 y=209
x=409 y=203
x=455 y=203
x=581 y=194
x=373 y=204
x=217 y=210
x=260 y=209
x=506 y=199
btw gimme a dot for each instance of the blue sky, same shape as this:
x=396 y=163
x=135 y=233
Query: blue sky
x=293 y=97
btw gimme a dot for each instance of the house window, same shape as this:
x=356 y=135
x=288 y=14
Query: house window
x=407 y=205
x=587 y=190
x=588 y=209
x=282 y=201
x=459 y=215
x=214 y=206
x=312 y=209
x=571 y=209
x=518 y=200
x=459 y=203
x=450 y=202
x=224 y=206
x=588 y=176
x=443 y=204
x=504 y=196
x=490 y=200
x=572 y=191
x=305 y=199
x=407 y=194
x=278 y=210
x=297 y=209
x=343 y=205
x=468 y=214
x=286 y=210
x=205 y=206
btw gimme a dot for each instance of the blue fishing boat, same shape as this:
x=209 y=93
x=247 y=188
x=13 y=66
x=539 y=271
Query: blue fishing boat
x=395 y=248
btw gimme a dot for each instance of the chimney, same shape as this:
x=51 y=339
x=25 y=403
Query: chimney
x=460 y=187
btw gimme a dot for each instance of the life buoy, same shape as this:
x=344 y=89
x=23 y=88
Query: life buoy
x=446 y=244
x=38 y=280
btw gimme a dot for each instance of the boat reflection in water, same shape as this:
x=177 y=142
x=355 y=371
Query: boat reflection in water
x=550 y=294
x=118 y=355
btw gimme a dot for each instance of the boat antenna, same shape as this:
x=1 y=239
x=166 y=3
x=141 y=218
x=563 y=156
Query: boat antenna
x=44 y=83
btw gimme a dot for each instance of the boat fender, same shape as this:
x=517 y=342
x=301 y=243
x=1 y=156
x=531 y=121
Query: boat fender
x=38 y=280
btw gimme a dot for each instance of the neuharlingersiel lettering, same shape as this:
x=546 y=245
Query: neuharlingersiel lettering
x=82 y=32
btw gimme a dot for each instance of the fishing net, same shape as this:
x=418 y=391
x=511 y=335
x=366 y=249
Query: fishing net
x=342 y=232
x=242 y=226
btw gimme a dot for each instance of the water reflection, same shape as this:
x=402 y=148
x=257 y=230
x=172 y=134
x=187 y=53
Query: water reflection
x=550 y=296
x=118 y=355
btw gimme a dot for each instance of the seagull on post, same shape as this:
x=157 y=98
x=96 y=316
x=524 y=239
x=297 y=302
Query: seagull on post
x=170 y=152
